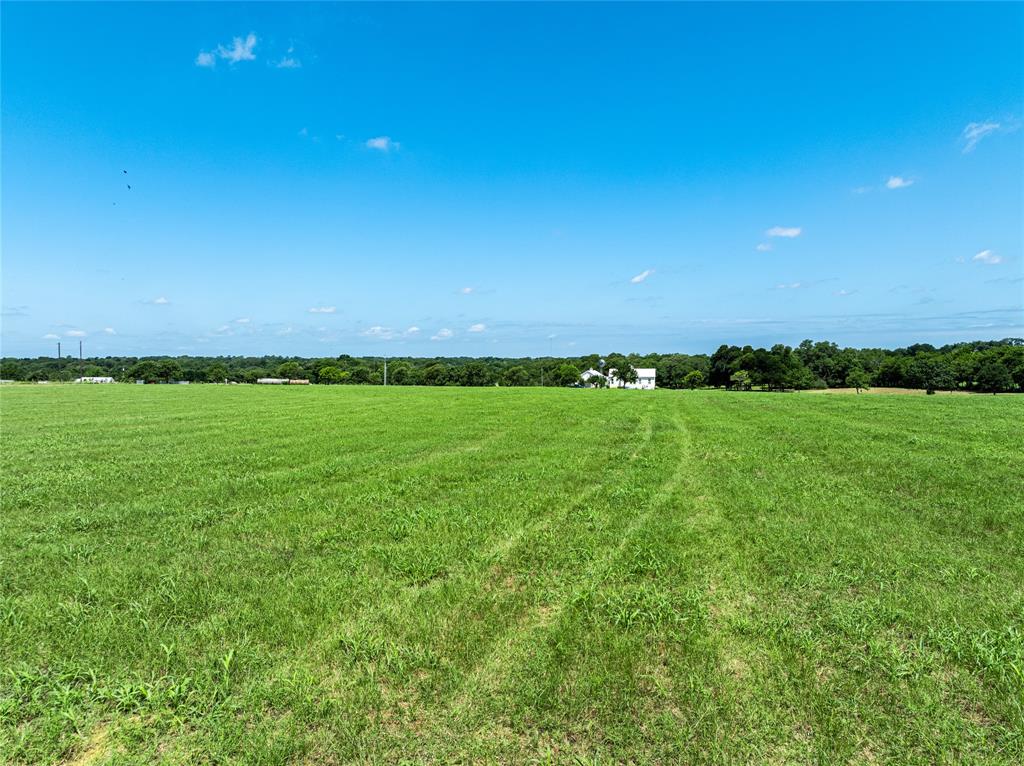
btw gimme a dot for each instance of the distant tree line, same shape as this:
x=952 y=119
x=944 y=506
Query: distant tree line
x=986 y=366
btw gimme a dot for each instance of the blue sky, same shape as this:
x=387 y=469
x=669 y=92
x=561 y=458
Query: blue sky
x=508 y=179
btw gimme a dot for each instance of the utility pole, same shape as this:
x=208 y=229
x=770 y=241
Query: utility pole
x=385 y=371
x=58 y=351
x=81 y=371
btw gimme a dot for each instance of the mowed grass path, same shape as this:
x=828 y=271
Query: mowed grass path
x=214 y=574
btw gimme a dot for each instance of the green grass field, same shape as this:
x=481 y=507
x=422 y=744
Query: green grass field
x=214 y=574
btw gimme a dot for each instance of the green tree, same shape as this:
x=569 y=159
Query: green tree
x=436 y=375
x=624 y=371
x=516 y=376
x=217 y=373
x=169 y=370
x=475 y=374
x=693 y=379
x=741 y=380
x=290 y=370
x=993 y=378
x=145 y=370
x=858 y=379
x=401 y=374
x=566 y=375
x=11 y=370
x=330 y=375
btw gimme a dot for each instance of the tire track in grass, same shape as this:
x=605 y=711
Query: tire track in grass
x=485 y=679
x=509 y=543
x=405 y=601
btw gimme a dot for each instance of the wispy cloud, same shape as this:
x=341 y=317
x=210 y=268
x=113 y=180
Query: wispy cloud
x=987 y=257
x=322 y=310
x=285 y=330
x=861 y=189
x=110 y=331
x=641 y=276
x=789 y=232
x=160 y=301
x=51 y=336
x=790 y=286
x=467 y=290
x=379 y=332
x=443 y=334
x=288 y=61
x=975 y=131
x=898 y=182
x=241 y=49
x=763 y=247
x=478 y=327
x=383 y=144
x=75 y=333
x=414 y=330
x=843 y=293
x=243 y=320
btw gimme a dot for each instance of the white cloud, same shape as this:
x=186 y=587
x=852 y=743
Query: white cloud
x=75 y=333
x=240 y=50
x=412 y=330
x=790 y=286
x=51 y=336
x=478 y=327
x=442 y=334
x=975 y=131
x=110 y=331
x=382 y=143
x=384 y=333
x=844 y=293
x=243 y=320
x=161 y=301
x=288 y=61
x=898 y=182
x=784 y=231
x=285 y=330
x=303 y=132
x=763 y=247
x=861 y=189
x=641 y=276
x=322 y=310
x=467 y=290
x=987 y=257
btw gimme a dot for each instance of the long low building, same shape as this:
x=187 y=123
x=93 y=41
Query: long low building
x=95 y=379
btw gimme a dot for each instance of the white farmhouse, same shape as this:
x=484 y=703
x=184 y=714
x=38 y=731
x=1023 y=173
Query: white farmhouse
x=645 y=379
